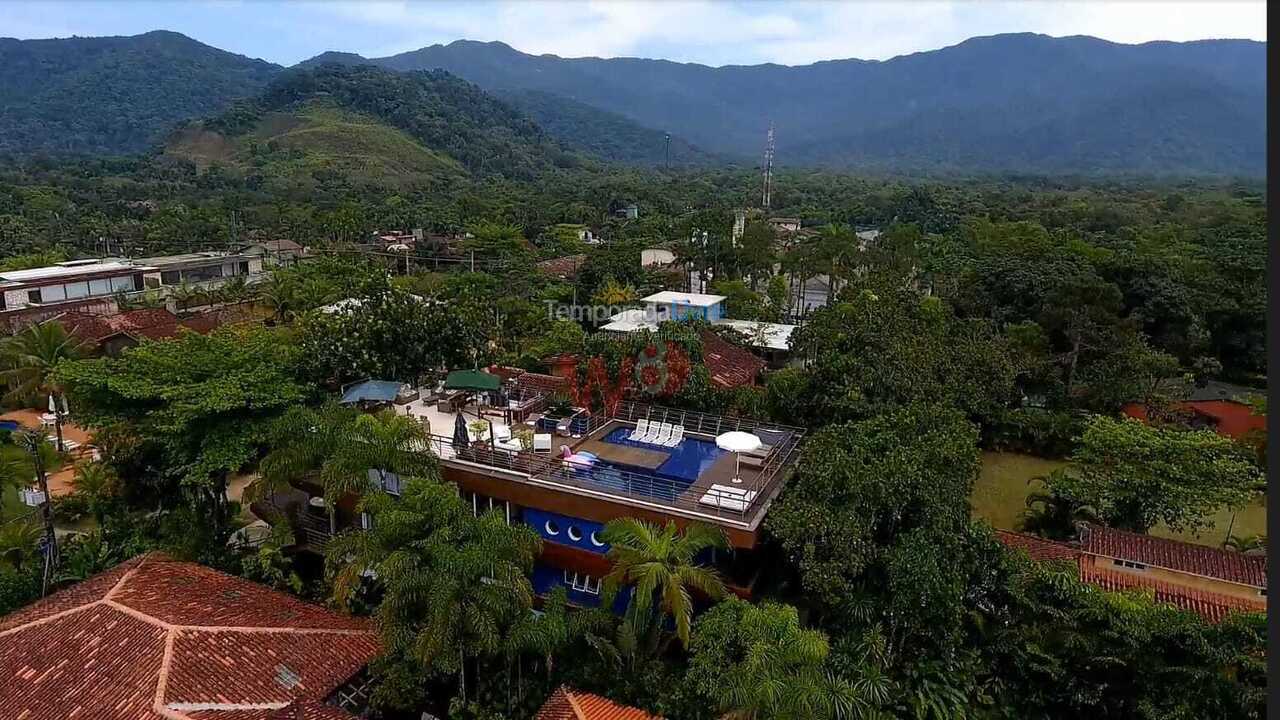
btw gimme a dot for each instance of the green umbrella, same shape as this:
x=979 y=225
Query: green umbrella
x=471 y=380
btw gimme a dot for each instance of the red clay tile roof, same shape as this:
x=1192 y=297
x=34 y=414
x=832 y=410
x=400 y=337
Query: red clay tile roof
x=1209 y=605
x=730 y=366
x=563 y=267
x=1037 y=547
x=549 y=384
x=569 y=704
x=157 y=638
x=1174 y=555
x=153 y=323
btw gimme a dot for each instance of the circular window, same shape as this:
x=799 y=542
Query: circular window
x=574 y=533
x=551 y=527
x=595 y=540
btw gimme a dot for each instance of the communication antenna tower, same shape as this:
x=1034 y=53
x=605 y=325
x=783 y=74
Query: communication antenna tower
x=768 y=167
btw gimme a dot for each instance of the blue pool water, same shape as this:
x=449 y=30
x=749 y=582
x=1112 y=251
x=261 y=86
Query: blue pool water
x=685 y=462
x=9 y=425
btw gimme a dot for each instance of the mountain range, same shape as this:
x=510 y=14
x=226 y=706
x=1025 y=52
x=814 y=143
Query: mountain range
x=1008 y=103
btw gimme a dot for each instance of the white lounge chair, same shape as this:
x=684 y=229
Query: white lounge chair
x=641 y=431
x=663 y=434
x=542 y=443
x=677 y=434
x=728 y=497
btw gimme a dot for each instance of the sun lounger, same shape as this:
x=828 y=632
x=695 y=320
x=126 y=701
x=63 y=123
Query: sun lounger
x=642 y=430
x=663 y=434
x=542 y=443
x=677 y=434
x=728 y=497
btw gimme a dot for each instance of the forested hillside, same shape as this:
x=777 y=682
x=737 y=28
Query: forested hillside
x=335 y=123
x=113 y=95
x=1023 y=103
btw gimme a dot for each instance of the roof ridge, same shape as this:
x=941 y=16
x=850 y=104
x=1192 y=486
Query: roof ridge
x=573 y=703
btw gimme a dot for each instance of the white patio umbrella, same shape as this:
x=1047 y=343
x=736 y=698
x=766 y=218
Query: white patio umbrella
x=737 y=442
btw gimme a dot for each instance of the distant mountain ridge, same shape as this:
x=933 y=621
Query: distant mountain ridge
x=1018 y=102
x=1007 y=103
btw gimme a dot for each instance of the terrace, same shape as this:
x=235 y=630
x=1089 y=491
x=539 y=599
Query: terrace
x=691 y=477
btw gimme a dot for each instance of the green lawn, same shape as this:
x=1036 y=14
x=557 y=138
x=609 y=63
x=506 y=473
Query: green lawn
x=999 y=496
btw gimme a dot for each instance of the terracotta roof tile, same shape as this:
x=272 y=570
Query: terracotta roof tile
x=156 y=635
x=1209 y=605
x=151 y=323
x=730 y=366
x=1037 y=547
x=563 y=267
x=568 y=704
x=1174 y=555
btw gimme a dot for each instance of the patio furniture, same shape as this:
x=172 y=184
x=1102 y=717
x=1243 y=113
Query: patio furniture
x=642 y=429
x=663 y=434
x=69 y=445
x=737 y=442
x=48 y=419
x=542 y=443
x=728 y=497
x=677 y=434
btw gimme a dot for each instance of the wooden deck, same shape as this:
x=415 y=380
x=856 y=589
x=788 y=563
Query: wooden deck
x=624 y=454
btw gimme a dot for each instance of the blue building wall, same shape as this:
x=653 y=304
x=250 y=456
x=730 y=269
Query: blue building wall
x=570 y=531
x=680 y=311
x=547 y=578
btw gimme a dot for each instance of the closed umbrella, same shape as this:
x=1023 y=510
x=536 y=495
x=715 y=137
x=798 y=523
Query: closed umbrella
x=737 y=442
x=460 y=437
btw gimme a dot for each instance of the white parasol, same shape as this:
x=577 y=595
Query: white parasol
x=737 y=442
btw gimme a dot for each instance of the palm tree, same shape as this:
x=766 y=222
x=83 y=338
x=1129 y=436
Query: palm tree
x=1055 y=516
x=341 y=447
x=28 y=357
x=757 y=661
x=660 y=564
x=18 y=541
x=613 y=292
x=550 y=631
x=280 y=293
x=451 y=582
x=1252 y=544
x=97 y=483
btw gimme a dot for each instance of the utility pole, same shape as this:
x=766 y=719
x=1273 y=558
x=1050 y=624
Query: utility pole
x=667 y=162
x=32 y=442
x=768 y=168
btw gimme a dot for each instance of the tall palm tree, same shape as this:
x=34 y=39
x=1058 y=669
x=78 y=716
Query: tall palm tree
x=340 y=446
x=28 y=357
x=661 y=565
x=451 y=582
x=550 y=631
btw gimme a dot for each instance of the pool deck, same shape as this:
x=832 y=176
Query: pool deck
x=719 y=473
x=624 y=454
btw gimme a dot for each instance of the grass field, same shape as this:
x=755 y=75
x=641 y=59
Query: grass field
x=999 y=497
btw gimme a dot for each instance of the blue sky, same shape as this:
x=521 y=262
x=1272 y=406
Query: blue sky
x=714 y=33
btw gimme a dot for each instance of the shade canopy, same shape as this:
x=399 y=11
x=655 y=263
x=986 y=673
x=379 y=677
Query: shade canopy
x=371 y=390
x=471 y=380
x=737 y=441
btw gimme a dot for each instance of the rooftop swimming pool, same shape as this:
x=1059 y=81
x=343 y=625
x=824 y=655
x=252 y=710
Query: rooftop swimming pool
x=685 y=462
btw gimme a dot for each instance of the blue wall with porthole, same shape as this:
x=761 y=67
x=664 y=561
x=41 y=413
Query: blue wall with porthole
x=566 y=530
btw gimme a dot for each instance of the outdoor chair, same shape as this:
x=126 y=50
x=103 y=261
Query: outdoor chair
x=641 y=431
x=663 y=434
x=677 y=434
x=542 y=443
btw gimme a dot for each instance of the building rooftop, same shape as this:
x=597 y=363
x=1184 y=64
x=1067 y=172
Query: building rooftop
x=157 y=638
x=730 y=366
x=1038 y=548
x=631 y=321
x=569 y=704
x=73 y=269
x=151 y=323
x=773 y=336
x=164 y=261
x=1174 y=555
x=669 y=297
x=1209 y=605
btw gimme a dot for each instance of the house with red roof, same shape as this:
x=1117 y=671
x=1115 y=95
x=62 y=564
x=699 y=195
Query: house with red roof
x=569 y=704
x=157 y=638
x=112 y=334
x=1207 y=581
x=1217 y=406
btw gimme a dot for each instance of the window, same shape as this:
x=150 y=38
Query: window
x=242 y=268
x=53 y=293
x=170 y=277
x=582 y=582
x=574 y=533
x=366 y=521
x=77 y=290
x=100 y=287
x=33 y=296
x=595 y=540
x=551 y=527
x=1131 y=564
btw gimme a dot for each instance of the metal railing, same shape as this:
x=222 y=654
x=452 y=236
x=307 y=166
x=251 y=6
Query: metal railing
x=738 y=502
